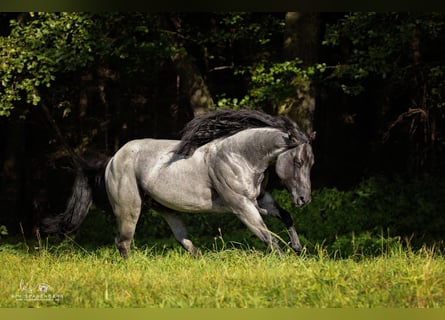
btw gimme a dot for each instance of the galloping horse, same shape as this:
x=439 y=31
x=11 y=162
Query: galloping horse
x=219 y=165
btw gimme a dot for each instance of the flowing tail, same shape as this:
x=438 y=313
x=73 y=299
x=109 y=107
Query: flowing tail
x=89 y=174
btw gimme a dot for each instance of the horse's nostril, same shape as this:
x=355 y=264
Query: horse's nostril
x=300 y=201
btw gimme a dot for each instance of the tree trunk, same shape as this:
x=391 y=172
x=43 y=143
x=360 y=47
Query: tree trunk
x=302 y=41
x=190 y=82
x=12 y=178
x=302 y=37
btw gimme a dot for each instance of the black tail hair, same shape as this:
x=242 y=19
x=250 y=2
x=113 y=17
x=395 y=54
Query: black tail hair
x=89 y=174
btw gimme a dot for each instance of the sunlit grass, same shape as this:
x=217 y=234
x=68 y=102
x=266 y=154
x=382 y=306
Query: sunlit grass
x=69 y=276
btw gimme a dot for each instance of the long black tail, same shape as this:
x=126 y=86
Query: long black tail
x=89 y=175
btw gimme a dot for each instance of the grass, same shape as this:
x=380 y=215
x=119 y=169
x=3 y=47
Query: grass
x=69 y=276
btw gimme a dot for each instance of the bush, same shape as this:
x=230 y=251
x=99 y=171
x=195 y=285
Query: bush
x=398 y=208
x=3 y=231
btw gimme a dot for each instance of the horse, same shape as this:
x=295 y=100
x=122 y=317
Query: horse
x=220 y=165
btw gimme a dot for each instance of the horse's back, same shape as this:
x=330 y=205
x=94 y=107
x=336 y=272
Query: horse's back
x=123 y=167
x=150 y=149
x=153 y=146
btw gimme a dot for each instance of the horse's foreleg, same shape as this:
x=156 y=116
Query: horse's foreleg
x=179 y=230
x=294 y=240
x=237 y=185
x=248 y=213
x=268 y=206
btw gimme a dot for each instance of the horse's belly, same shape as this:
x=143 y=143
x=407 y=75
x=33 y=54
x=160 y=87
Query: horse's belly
x=184 y=199
x=185 y=191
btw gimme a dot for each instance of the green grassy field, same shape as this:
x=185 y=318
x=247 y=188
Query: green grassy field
x=69 y=276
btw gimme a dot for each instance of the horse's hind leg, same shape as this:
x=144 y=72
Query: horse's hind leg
x=126 y=201
x=127 y=219
x=179 y=230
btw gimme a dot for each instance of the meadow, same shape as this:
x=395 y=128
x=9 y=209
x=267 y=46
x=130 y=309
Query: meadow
x=67 y=275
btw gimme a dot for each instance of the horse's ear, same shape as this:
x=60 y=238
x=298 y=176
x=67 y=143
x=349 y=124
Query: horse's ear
x=313 y=135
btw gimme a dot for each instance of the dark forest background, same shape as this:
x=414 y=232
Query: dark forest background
x=371 y=85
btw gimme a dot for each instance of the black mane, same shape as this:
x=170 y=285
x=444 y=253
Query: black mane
x=217 y=124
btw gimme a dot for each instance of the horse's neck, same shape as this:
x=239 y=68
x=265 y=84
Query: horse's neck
x=258 y=146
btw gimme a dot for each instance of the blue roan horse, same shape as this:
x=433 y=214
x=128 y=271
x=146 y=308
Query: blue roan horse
x=219 y=165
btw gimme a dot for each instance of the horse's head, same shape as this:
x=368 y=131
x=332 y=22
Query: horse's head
x=293 y=167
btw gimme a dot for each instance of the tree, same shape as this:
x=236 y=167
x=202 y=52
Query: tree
x=399 y=58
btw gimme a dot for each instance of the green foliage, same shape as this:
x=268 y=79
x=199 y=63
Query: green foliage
x=39 y=48
x=44 y=48
x=275 y=83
